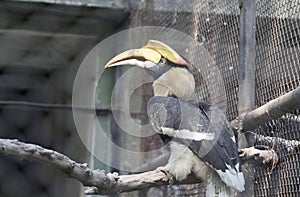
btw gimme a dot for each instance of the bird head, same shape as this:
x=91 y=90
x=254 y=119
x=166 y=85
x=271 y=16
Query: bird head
x=169 y=69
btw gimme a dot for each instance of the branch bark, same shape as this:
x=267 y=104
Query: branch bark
x=98 y=181
x=78 y=171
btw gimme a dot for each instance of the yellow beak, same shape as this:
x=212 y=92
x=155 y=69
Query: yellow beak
x=134 y=56
x=147 y=56
x=166 y=51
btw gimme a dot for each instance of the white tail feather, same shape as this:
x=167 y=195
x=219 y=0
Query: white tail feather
x=217 y=188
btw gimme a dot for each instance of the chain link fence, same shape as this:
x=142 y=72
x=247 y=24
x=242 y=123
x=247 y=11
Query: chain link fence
x=215 y=24
x=278 y=72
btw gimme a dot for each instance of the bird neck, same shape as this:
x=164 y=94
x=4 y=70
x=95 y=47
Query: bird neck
x=177 y=82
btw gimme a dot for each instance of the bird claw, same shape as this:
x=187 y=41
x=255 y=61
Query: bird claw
x=165 y=170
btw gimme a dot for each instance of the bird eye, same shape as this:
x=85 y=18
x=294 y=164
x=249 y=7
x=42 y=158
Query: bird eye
x=163 y=61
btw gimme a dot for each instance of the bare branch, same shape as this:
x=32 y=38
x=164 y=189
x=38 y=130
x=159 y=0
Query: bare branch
x=81 y=172
x=127 y=183
x=98 y=180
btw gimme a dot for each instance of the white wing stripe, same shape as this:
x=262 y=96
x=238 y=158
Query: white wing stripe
x=187 y=134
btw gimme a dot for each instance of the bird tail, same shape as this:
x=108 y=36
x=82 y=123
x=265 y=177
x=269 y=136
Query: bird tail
x=217 y=188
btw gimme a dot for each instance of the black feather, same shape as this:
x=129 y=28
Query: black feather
x=197 y=116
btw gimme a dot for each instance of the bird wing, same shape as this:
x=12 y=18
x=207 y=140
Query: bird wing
x=220 y=153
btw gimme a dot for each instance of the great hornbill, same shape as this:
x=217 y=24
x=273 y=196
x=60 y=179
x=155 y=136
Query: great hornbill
x=201 y=142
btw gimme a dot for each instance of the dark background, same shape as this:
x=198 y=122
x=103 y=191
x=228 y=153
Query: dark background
x=41 y=47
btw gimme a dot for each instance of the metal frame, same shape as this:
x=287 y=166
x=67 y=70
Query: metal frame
x=111 y=4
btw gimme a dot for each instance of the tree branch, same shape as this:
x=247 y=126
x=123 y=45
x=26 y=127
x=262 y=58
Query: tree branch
x=81 y=172
x=98 y=180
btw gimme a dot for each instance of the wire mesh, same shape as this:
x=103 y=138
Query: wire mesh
x=212 y=23
x=278 y=72
x=216 y=25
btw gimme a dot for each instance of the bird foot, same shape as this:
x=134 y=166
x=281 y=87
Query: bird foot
x=165 y=170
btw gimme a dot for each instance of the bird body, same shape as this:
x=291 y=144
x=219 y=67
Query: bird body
x=201 y=142
x=204 y=134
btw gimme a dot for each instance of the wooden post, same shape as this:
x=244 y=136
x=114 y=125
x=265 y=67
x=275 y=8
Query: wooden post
x=246 y=94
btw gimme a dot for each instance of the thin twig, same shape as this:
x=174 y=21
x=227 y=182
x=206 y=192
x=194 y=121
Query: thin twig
x=48 y=106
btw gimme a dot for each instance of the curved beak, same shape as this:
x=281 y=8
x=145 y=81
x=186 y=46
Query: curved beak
x=148 y=56
x=136 y=57
x=167 y=52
